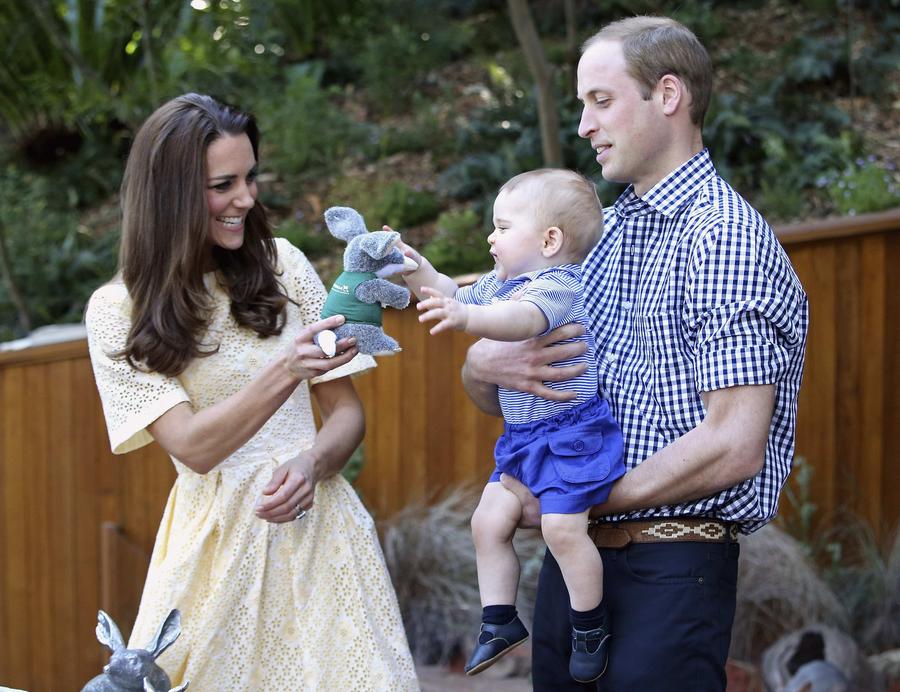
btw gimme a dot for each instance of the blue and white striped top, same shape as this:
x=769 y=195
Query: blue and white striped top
x=556 y=291
x=689 y=291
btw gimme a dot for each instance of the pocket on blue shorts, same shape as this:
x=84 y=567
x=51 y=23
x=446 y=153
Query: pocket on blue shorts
x=578 y=454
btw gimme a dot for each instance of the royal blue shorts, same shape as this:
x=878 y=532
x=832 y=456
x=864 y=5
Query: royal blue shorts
x=569 y=461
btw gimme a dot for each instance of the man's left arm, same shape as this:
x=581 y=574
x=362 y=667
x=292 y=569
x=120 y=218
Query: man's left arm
x=725 y=449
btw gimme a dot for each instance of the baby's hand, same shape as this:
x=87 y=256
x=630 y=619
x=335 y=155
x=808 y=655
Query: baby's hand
x=449 y=312
x=408 y=251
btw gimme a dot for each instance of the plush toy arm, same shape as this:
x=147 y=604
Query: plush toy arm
x=384 y=292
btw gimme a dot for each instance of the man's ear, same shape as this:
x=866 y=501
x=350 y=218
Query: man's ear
x=553 y=241
x=674 y=94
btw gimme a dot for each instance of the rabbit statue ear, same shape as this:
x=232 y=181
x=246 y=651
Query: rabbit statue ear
x=108 y=633
x=167 y=634
x=344 y=222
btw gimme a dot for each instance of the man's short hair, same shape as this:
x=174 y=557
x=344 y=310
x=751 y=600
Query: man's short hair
x=565 y=199
x=657 y=46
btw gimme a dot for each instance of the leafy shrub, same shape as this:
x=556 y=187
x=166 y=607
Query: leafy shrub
x=56 y=264
x=459 y=246
x=475 y=175
x=864 y=186
x=401 y=206
x=308 y=132
x=314 y=240
x=393 y=45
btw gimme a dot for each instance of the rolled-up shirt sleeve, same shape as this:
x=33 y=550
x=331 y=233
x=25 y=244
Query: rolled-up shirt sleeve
x=745 y=320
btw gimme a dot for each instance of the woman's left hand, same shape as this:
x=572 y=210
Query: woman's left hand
x=291 y=490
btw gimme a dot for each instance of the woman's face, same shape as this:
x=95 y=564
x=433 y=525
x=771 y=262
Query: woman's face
x=230 y=189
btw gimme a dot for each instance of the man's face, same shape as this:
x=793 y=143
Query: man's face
x=627 y=132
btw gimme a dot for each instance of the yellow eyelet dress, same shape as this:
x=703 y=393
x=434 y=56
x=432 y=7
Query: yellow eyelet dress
x=306 y=605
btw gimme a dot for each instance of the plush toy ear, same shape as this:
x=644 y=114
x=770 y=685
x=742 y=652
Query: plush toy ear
x=378 y=244
x=344 y=222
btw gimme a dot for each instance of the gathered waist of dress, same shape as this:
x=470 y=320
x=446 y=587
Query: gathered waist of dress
x=244 y=458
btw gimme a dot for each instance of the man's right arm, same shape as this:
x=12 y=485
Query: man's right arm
x=522 y=365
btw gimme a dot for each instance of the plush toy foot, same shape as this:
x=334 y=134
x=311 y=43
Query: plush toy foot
x=494 y=642
x=327 y=340
x=388 y=352
x=589 y=654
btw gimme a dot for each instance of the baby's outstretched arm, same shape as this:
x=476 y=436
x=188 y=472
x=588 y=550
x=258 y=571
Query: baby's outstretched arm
x=426 y=274
x=508 y=320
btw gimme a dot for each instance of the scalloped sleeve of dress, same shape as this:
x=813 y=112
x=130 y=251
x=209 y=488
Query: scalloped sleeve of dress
x=131 y=399
x=305 y=287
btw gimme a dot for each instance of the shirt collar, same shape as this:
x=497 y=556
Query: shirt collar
x=670 y=193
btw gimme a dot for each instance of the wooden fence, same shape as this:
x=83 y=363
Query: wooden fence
x=77 y=523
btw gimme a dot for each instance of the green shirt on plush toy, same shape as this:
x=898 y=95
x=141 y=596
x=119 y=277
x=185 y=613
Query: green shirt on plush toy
x=342 y=300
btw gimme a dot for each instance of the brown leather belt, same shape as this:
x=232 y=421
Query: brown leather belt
x=607 y=534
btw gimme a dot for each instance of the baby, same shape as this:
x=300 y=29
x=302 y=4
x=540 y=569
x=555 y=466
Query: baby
x=568 y=453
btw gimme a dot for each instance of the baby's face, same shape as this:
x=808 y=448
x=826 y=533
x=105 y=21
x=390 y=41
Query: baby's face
x=517 y=239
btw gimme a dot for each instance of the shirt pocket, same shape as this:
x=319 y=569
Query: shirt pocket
x=667 y=349
x=577 y=453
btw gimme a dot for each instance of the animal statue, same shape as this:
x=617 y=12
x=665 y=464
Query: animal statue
x=134 y=669
x=362 y=290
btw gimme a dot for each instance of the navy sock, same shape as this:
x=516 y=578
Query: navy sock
x=585 y=620
x=498 y=614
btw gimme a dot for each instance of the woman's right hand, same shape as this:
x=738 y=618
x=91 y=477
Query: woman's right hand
x=305 y=360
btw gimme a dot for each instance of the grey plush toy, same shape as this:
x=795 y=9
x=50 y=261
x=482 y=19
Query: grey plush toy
x=133 y=669
x=361 y=291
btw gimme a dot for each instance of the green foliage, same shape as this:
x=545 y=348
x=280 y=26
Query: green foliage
x=863 y=186
x=55 y=263
x=400 y=206
x=354 y=464
x=392 y=45
x=475 y=175
x=314 y=240
x=459 y=246
x=308 y=132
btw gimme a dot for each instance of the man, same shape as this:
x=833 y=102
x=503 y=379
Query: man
x=701 y=326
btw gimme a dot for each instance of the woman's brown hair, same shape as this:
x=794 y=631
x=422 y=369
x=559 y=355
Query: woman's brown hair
x=164 y=250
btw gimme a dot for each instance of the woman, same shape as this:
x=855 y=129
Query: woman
x=204 y=343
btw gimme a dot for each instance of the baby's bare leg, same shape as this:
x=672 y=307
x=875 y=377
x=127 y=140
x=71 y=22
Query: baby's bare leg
x=579 y=560
x=493 y=526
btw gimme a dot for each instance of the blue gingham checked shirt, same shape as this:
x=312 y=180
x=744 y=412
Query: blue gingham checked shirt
x=689 y=291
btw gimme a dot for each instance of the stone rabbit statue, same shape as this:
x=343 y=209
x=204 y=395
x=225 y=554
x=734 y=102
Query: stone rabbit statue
x=361 y=291
x=134 y=669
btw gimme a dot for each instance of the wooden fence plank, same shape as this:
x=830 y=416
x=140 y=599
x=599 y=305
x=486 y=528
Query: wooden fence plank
x=870 y=461
x=18 y=644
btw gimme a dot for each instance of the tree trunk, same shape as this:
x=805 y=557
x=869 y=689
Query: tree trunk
x=528 y=38
x=14 y=294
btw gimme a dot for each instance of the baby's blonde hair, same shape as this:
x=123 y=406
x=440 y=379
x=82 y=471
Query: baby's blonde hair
x=565 y=199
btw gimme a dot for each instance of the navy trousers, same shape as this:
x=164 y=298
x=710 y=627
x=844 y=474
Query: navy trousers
x=671 y=608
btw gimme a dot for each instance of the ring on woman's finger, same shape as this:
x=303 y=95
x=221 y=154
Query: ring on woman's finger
x=300 y=512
